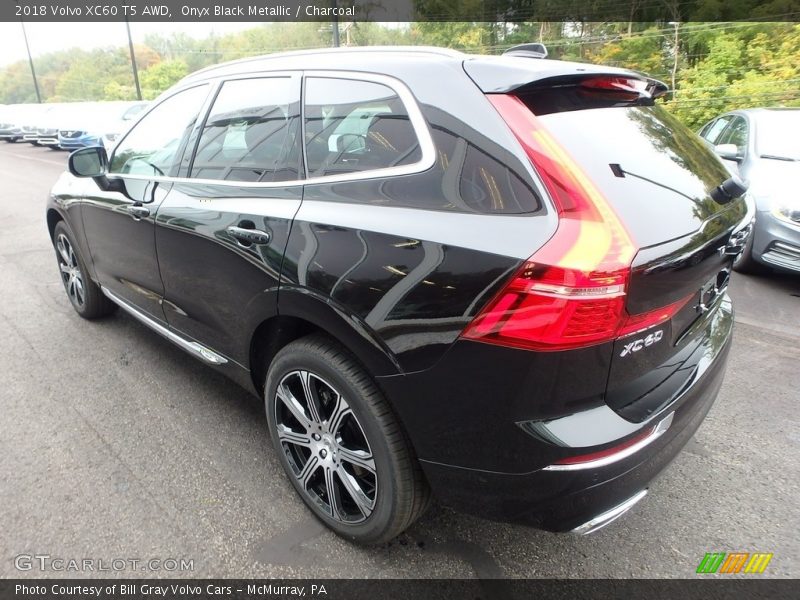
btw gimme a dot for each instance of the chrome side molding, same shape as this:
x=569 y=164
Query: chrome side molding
x=193 y=348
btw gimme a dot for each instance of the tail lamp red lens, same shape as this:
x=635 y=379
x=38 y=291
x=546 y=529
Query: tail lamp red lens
x=571 y=292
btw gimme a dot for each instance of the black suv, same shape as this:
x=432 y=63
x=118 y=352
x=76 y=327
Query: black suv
x=497 y=280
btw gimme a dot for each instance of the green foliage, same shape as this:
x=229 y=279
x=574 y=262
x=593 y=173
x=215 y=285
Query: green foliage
x=745 y=67
x=647 y=52
x=161 y=76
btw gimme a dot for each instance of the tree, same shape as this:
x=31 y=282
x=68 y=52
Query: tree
x=161 y=76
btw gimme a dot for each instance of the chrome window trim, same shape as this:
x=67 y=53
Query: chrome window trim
x=420 y=126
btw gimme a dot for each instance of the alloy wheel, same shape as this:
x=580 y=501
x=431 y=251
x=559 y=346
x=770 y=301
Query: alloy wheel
x=326 y=448
x=70 y=271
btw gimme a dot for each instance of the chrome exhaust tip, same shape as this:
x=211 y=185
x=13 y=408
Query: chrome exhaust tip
x=609 y=516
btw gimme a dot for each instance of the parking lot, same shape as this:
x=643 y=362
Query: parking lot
x=116 y=444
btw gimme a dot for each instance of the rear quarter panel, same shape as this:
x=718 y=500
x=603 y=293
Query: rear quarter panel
x=405 y=259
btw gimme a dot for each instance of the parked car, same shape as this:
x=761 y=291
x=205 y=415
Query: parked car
x=38 y=123
x=19 y=121
x=9 y=122
x=100 y=124
x=501 y=280
x=763 y=145
x=45 y=129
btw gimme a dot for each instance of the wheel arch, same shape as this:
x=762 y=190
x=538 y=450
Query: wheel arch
x=300 y=314
x=53 y=217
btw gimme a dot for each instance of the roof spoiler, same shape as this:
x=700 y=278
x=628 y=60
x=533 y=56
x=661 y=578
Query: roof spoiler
x=528 y=50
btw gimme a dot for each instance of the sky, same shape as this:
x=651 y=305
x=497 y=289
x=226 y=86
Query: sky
x=48 y=37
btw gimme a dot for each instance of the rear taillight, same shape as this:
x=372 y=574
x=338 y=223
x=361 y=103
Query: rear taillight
x=571 y=292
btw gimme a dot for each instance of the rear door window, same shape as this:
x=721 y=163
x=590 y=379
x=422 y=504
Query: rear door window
x=252 y=132
x=353 y=126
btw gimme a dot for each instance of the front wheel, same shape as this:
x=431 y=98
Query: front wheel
x=745 y=263
x=340 y=443
x=84 y=294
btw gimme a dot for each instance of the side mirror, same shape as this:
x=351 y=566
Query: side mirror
x=728 y=152
x=89 y=162
x=728 y=190
x=93 y=162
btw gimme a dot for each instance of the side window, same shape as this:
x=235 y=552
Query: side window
x=152 y=146
x=736 y=134
x=252 y=132
x=712 y=133
x=353 y=126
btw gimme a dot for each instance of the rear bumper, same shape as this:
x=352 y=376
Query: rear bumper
x=502 y=489
x=563 y=501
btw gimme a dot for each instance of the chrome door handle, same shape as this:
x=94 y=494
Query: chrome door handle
x=249 y=236
x=138 y=212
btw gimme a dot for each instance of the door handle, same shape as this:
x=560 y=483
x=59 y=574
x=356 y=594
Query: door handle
x=249 y=236
x=138 y=212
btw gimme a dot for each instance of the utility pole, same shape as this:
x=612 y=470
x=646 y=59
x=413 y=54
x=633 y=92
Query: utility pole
x=133 y=62
x=676 y=48
x=335 y=25
x=30 y=62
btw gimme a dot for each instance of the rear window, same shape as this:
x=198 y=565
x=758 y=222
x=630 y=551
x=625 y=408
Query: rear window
x=654 y=171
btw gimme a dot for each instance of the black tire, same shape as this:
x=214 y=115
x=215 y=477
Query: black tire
x=83 y=293
x=401 y=493
x=745 y=263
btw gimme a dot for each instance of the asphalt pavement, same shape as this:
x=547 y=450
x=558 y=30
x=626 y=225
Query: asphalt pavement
x=114 y=444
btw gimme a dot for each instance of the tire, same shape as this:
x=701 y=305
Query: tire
x=334 y=460
x=745 y=263
x=83 y=293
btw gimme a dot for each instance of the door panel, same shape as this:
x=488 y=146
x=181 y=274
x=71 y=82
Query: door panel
x=120 y=224
x=218 y=289
x=123 y=244
x=222 y=231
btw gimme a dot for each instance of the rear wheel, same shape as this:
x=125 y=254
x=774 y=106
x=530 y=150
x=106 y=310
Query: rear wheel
x=340 y=443
x=84 y=294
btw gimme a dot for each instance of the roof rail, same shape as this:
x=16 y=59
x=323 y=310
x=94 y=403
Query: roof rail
x=536 y=50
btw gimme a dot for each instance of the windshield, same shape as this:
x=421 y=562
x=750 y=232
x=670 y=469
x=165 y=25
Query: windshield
x=778 y=134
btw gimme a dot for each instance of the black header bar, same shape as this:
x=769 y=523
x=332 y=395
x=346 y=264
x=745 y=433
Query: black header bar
x=499 y=11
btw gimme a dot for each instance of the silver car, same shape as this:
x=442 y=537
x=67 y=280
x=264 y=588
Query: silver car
x=763 y=146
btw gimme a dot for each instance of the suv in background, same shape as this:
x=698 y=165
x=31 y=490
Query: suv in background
x=762 y=145
x=501 y=280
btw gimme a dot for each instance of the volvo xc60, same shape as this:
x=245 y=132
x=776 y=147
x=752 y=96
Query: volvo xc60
x=499 y=281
